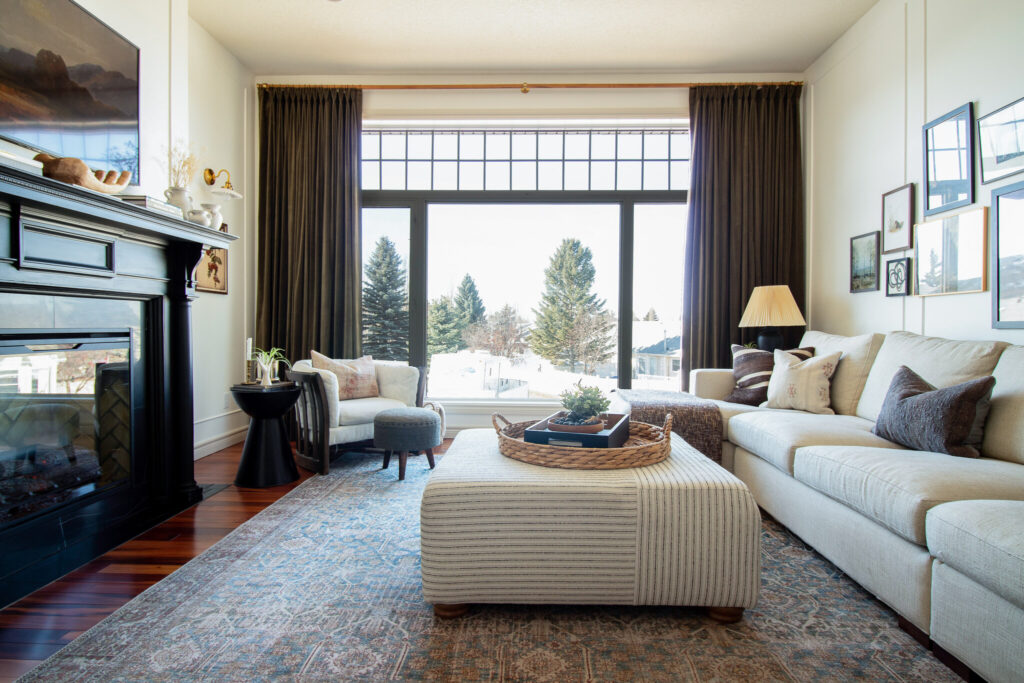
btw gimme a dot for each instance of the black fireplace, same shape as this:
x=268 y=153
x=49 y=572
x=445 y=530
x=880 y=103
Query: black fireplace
x=96 y=424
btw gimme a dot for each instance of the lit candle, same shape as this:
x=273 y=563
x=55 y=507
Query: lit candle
x=248 y=348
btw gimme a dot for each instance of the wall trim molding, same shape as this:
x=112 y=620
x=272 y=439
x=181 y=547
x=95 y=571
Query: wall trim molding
x=214 y=444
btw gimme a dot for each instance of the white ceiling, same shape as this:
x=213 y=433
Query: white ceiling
x=324 y=37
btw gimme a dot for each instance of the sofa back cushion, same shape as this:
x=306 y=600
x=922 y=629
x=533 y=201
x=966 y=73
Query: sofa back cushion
x=940 y=362
x=858 y=354
x=1004 y=431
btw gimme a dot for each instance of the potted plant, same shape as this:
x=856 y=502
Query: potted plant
x=585 y=405
x=268 y=362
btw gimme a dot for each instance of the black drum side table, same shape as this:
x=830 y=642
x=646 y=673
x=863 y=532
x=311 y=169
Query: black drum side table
x=267 y=456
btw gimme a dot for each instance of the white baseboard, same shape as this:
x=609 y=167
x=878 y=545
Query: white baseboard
x=205 y=448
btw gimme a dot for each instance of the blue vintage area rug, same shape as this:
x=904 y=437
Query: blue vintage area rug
x=325 y=585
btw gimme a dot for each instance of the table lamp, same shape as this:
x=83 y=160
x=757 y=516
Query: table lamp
x=771 y=307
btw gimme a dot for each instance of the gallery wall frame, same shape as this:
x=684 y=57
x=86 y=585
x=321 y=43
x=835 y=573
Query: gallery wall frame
x=898 y=277
x=864 y=262
x=898 y=219
x=952 y=254
x=949 y=161
x=1001 y=142
x=1007 y=228
x=212 y=271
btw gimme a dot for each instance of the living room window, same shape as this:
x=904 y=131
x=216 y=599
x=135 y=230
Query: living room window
x=526 y=259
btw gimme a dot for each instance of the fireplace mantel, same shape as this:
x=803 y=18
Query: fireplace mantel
x=68 y=257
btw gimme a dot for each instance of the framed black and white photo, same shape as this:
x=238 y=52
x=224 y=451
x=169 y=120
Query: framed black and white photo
x=864 y=262
x=1008 y=256
x=897 y=277
x=1001 y=142
x=951 y=254
x=898 y=219
x=949 y=161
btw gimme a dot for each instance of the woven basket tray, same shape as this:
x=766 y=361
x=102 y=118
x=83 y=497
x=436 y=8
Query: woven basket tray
x=646 y=445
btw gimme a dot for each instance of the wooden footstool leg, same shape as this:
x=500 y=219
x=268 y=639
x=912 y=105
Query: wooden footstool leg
x=403 y=456
x=726 y=615
x=387 y=459
x=430 y=457
x=450 y=611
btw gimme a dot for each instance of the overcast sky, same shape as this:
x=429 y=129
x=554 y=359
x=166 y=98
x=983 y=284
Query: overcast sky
x=505 y=248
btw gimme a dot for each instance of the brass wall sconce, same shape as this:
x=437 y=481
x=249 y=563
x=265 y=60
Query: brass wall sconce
x=226 y=190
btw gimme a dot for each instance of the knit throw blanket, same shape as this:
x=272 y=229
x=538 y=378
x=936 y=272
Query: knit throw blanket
x=695 y=419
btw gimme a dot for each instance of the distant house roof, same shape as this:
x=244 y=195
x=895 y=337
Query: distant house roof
x=663 y=348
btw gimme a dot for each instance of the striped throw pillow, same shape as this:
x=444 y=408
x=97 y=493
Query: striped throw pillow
x=752 y=368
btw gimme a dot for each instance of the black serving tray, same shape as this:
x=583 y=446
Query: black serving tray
x=614 y=434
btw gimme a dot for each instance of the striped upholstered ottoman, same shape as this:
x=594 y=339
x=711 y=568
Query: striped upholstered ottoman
x=495 y=530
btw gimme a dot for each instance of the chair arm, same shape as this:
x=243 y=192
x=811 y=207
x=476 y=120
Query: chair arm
x=439 y=409
x=712 y=383
x=397 y=381
x=330 y=381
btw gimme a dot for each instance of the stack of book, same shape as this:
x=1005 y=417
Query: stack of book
x=148 y=202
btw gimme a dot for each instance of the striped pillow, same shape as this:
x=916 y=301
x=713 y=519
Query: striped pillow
x=752 y=368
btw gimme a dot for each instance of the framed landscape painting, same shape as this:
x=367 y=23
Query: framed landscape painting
x=951 y=254
x=1001 y=142
x=898 y=219
x=1008 y=256
x=864 y=262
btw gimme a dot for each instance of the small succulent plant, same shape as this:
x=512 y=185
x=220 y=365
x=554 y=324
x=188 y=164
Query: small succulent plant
x=584 y=404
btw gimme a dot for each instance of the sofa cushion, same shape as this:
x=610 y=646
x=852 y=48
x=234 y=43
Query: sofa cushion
x=917 y=415
x=731 y=410
x=357 y=411
x=896 y=488
x=774 y=435
x=858 y=354
x=983 y=539
x=1004 y=430
x=752 y=368
x=801 y=384
x=942 y=362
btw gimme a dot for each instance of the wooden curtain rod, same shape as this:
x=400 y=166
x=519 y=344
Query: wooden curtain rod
x=522 y=87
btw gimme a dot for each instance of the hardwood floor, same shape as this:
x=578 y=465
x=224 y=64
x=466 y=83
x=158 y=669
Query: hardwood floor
x=39 y=624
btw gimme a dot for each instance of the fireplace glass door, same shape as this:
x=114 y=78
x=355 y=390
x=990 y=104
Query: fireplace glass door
x=65 y=419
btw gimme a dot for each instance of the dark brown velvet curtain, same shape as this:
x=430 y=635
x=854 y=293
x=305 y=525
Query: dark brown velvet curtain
x=309 y=268
x=746 y=223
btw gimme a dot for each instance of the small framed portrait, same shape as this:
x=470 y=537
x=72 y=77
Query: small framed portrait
x=864 y=262
x=212 y=271
x=898 y=219
x=897 y=277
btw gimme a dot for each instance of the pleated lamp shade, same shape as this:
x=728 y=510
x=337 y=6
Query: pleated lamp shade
x=772 y=306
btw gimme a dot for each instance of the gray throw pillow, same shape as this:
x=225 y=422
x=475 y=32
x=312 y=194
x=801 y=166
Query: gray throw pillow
x=752 y=368
x=917 y=415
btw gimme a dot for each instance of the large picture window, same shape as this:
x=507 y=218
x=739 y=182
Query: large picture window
x=521 y=278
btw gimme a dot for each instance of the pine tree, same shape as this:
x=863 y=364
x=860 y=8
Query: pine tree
x=385 y=304
x=469 y=307
x=444 y=332
x=572 y=326
x=652 y=315
x=507 y=333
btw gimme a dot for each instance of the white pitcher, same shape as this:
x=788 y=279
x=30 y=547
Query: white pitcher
x=215 y=216
x=179 y=197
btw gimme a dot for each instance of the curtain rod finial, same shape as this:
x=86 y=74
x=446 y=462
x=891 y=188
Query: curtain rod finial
x=525 y=89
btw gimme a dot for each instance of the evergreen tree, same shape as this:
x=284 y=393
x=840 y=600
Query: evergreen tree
x=507 y=333
x=469 y=307
x=444 y=332
x=652 y=315
x=385 y=304
x=572 y=326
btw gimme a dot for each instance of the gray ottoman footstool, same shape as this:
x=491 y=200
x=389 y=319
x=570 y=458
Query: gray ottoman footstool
x=404 y=430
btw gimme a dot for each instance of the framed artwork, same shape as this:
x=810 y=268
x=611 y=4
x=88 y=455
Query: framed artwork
x=951 y=254
x=1001 y=142
x=898 y=219
x=897 y=277
x=212 y=271
x=949 y=161
x=1008 y=256
x=864 y=262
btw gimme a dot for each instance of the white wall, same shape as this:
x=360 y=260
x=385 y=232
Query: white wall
x=906 y=62
x=221 y=115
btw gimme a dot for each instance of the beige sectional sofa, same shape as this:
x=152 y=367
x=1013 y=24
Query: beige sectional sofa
x=938 y=538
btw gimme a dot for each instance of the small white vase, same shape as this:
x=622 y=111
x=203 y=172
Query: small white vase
x=179 y=197
x=265 y=375
x=216 y=219
x=200 y=216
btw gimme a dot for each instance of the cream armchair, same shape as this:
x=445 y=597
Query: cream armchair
x=326 y=423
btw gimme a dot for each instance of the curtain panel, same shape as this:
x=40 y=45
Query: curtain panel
x=309 y=268
x=746 y=218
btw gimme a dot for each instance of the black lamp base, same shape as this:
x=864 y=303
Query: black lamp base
x=770 y=339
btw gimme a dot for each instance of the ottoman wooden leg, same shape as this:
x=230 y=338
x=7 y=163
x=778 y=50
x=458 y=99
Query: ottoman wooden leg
x=387 y=459
x=403 y=456
x=450 y=611
x=726 y=615
x=430 y=457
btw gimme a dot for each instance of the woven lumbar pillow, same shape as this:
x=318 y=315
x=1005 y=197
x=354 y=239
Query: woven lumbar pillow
x=356 y=378
x=752 y=368
x=802 y=384
x=949 y=420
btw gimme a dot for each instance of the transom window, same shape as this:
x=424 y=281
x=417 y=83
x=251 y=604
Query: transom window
x=525 y=160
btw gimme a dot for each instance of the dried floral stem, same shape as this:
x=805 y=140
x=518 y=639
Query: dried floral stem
x=182 y=165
